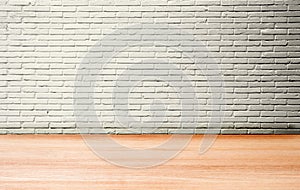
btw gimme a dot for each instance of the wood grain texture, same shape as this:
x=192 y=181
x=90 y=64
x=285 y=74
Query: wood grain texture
x=234 y=162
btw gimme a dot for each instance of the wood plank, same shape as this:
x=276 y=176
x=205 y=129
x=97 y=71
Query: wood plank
x=233 y=162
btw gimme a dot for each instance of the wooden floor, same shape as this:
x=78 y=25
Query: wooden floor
x=234 y=162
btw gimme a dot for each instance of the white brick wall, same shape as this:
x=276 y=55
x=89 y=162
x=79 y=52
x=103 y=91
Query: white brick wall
x=256 y=44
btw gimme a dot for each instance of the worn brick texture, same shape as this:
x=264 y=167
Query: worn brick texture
x=255 y=43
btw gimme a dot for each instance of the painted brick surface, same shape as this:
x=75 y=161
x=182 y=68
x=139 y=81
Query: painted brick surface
x=255 y=44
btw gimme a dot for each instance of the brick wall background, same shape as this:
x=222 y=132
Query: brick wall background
x=255 y=43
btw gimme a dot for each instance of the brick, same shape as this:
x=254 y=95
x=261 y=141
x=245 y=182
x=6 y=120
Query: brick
x=247 y=8
x=287 y=131
x=261 y=131
x=274 y=8
x=260 y=2
x=39 y=125
x=37 y=8
x=48 y=131
x=234 y=131
x=21 y=131
x=181 y=131
x=246 y=113
x=21 y=2
x=208 y=2
x=249 y=126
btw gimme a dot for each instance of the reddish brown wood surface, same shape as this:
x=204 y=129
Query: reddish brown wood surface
x=234 y=162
